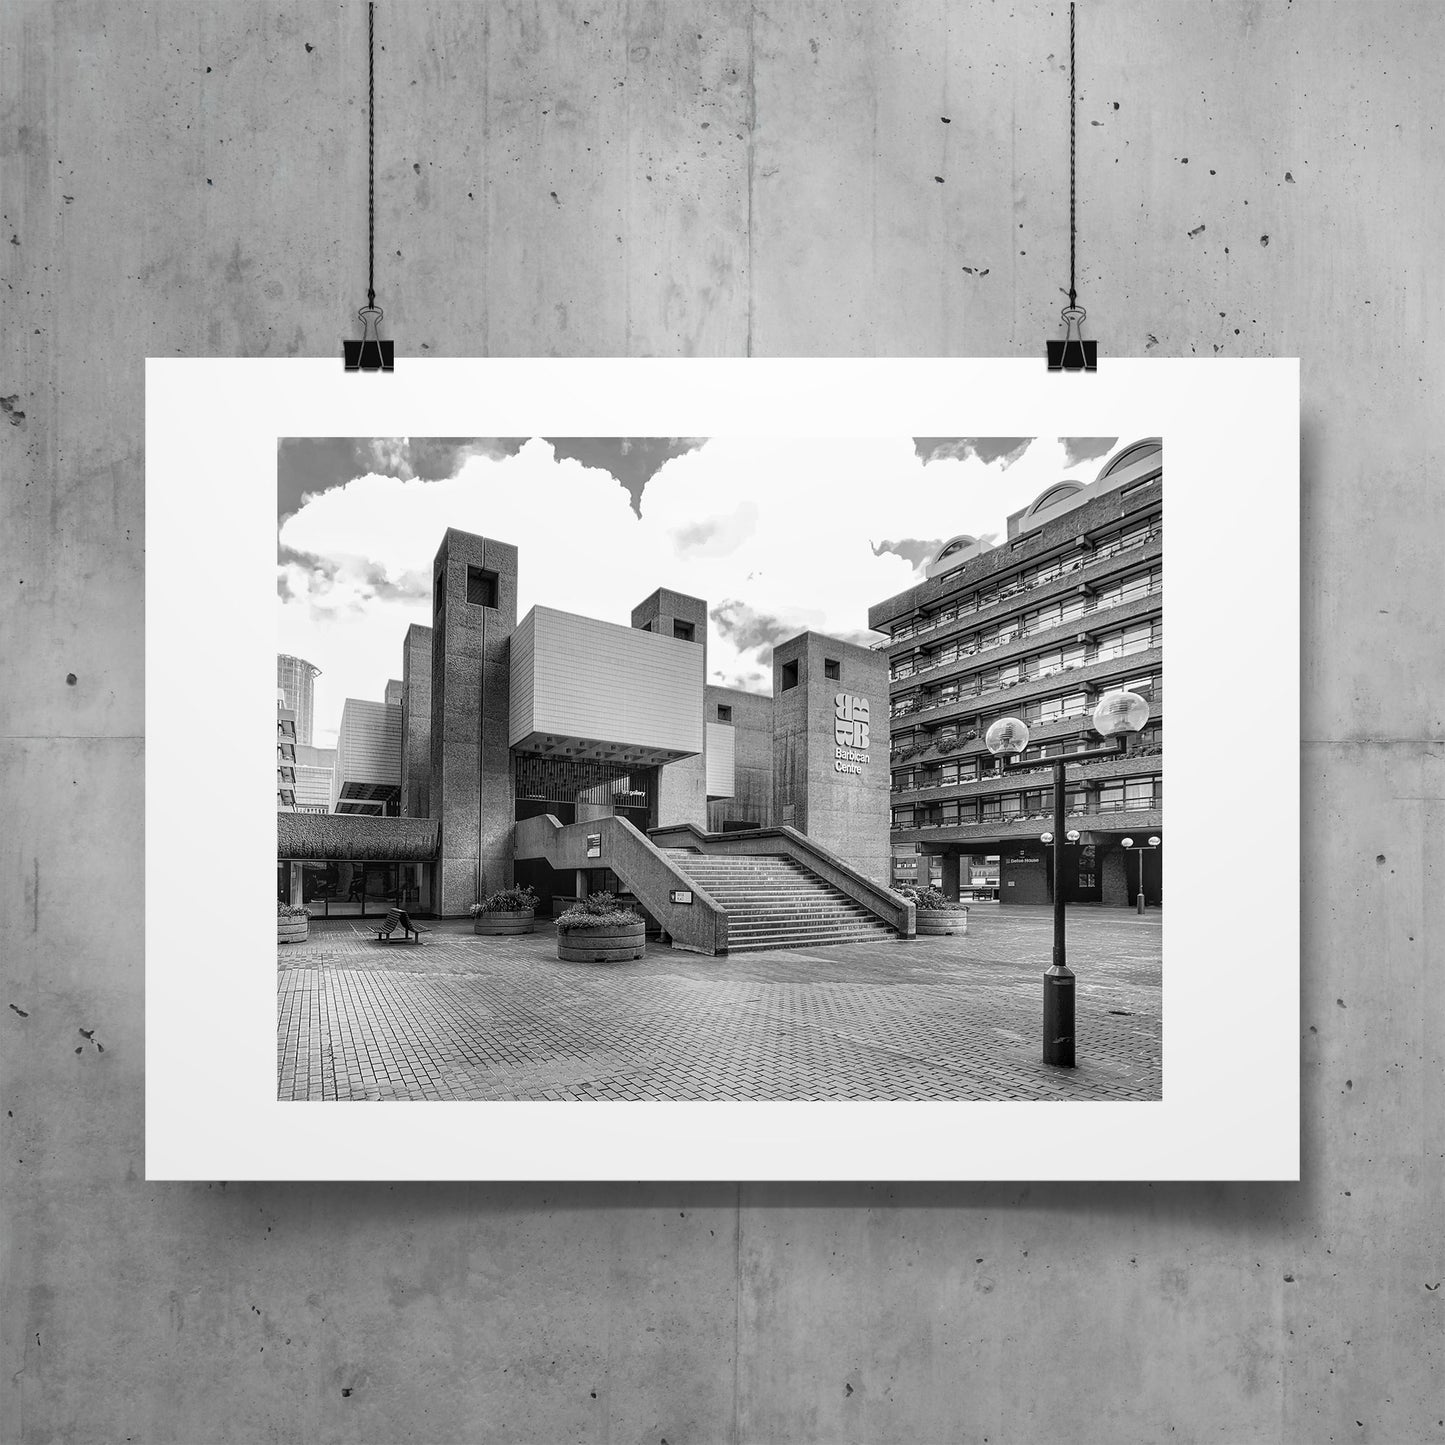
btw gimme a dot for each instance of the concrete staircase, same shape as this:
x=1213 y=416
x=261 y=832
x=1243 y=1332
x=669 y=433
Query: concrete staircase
x=773 y=902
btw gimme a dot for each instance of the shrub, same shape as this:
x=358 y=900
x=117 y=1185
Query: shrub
x=291 y=911
x=507 y=900
x=596 y=910
x=932 y=900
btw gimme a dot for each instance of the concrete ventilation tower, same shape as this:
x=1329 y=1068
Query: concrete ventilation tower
x=296 y=678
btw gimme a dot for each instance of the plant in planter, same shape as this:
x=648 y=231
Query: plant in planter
x=936 y=914
x=510 y=910
x=598 y=930
x=292 y=923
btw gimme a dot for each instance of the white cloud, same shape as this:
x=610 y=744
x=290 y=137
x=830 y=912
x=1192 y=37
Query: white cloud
x=785 y=528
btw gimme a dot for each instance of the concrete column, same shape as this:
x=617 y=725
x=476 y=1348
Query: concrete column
x=951 y=862
x=295 y=883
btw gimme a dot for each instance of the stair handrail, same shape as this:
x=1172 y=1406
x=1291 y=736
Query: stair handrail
x=891 y=907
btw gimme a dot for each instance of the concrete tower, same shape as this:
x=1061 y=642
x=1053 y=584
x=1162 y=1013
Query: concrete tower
x=474 y=611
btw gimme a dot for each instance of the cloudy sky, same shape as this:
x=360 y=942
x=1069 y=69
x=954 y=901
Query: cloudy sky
x=777 y=535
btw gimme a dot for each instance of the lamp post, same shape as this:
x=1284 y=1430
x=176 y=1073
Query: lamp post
x=1129 y=843
x=1117 y=717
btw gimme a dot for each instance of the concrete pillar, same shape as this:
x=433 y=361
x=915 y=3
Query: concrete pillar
x=295 y=884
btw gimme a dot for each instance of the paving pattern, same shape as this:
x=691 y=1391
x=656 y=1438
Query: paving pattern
x=462 y=1017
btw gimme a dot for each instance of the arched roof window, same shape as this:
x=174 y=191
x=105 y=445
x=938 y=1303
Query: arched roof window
x=1135 y=452
x=1052 y=496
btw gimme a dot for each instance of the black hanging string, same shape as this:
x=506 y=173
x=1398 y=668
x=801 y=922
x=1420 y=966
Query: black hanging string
x=371 y=353
x=371 y=151
x=1073 y=353
x=1073 y=295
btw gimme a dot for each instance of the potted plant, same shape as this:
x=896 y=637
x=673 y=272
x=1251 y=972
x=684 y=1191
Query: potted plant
x=510 y=910
x=936 y=914
x=597 y=930
x=291 y=923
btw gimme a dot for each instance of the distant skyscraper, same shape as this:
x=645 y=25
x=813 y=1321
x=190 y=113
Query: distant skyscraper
x=295 y=677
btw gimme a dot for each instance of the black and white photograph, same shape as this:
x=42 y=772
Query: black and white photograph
x=632 y=769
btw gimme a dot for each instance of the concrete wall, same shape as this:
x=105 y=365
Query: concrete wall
x=681 y=786
x=189 y=179
x=416 y=722
x=751 y=799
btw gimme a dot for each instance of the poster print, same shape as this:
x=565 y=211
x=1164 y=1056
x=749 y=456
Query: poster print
x=567 y=833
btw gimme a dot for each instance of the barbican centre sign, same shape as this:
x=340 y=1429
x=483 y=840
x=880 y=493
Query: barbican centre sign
x=850 y=733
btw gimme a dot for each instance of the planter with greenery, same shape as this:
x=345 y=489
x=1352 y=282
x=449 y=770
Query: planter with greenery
x=291 y=923
x=597 y=930
x=936 y=914
x=512 y=910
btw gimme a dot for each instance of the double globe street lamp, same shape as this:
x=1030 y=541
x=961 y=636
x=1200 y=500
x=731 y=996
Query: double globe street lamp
x=1119 y=715
x=1127 y=844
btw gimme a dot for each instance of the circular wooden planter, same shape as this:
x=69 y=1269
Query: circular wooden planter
x=613 y=943
x=291 y=930
x=931 y=922
x=493 y=925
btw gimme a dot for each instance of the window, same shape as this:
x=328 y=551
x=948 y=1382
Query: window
x=481 y=587
x=724 y=713
x=831 y=668
x=683 y=631
x=790 y=680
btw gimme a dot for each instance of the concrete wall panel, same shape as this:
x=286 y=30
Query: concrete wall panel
x=722 y=177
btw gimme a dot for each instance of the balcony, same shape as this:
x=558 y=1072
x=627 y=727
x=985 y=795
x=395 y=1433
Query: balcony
x=1019 y=825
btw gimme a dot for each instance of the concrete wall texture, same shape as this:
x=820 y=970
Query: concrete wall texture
x=722 y=177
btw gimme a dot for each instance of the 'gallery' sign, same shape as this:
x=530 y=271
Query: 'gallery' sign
x=850 y=733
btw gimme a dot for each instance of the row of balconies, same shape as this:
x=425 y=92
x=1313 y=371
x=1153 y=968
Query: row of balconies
x=1123 y=820
x=1146 y=759
x=1022 y=641
x=1028 y=689
x=1086 y=568
x=970 y=742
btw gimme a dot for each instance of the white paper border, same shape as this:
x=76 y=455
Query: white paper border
x=1231 y=964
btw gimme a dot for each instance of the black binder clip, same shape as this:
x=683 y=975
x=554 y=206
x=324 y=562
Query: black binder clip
x=1073 y=353
x=371 y=353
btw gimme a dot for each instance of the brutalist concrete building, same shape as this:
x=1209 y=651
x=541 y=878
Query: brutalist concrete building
x=574 y=753
x=1069 y=606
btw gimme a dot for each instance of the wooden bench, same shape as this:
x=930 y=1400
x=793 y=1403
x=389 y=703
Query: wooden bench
x=385 y=931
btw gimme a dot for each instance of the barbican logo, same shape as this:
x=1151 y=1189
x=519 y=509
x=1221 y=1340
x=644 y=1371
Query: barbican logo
x=850 y=725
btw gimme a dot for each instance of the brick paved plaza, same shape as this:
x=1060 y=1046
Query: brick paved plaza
x=462 y=1017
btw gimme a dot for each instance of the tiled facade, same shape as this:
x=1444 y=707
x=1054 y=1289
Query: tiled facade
x=612 y=692
x=1068 y=607
x=367 y=777
x=315 y=770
